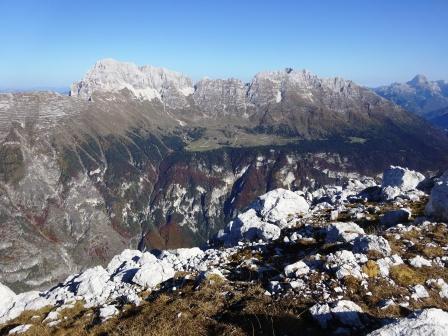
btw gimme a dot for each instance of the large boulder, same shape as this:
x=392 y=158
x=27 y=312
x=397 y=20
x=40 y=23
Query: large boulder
x=278 y=205
x=248 y=226
x=371 y=243
x=432 y=322
x=152 y=274
x=437 y=206
x=398 y=181
x=402 y=178
x=343 y=232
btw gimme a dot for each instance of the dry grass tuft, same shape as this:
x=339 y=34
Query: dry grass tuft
x=371 y=269
x=406 y=276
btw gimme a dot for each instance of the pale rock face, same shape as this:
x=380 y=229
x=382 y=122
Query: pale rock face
x=7 y=297
x=420 y=292
x=250 y=227
x=437 y=206
x=297 y=269
x=93 y=284
x=25 y=301
x=277 y=205
x=401 y=178
x=322 y=314
x=270 y=87
x=343 y=232
x=432 y=322
x=153 y=274
x=221 y=97
x=107 y=312
x=122 y=258
x=368 y=243
x=146 y=82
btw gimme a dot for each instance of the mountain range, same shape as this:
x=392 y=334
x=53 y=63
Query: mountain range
x=142 y=157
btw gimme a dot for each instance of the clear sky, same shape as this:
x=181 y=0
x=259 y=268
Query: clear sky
x=53 y=43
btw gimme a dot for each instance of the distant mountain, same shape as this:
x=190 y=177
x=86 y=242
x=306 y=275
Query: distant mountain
x=62 y=90
x=419 y=95
x=143 y=157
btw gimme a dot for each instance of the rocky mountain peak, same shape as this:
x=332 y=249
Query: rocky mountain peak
x=145 y=82
x=418 y=80
x=419 y=95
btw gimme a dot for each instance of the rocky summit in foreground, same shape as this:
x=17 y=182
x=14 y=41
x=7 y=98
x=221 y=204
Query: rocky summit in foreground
x=362 y=258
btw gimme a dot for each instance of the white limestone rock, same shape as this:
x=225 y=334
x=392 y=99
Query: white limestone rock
x=106 y=312
x=152 y=274
x=297 y=269
x=431 y=321
x=277 y=206
x=402 y=178
x=386 y=263
x=437 y=206
x=145 y=82
x=124 y=257
x=93 y=285
x=32 y=300
x=344 y=263
x=419 y=292
x=343 y=232
x=440 y=285
x=347 y=312
x=368 y=243
x=419 y=261
x=20 y=329
x=248 y=226
x=7 y=297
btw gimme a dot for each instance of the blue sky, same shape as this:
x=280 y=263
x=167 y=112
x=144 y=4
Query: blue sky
x=53 y=43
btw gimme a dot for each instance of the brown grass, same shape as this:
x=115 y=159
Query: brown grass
x=404 y=275
x=371 y=269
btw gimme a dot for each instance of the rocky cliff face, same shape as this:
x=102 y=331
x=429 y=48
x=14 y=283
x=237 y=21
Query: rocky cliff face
x=86 y=176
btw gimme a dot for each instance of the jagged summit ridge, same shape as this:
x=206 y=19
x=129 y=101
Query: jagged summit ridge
x=145 y=82
x=213 y=95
